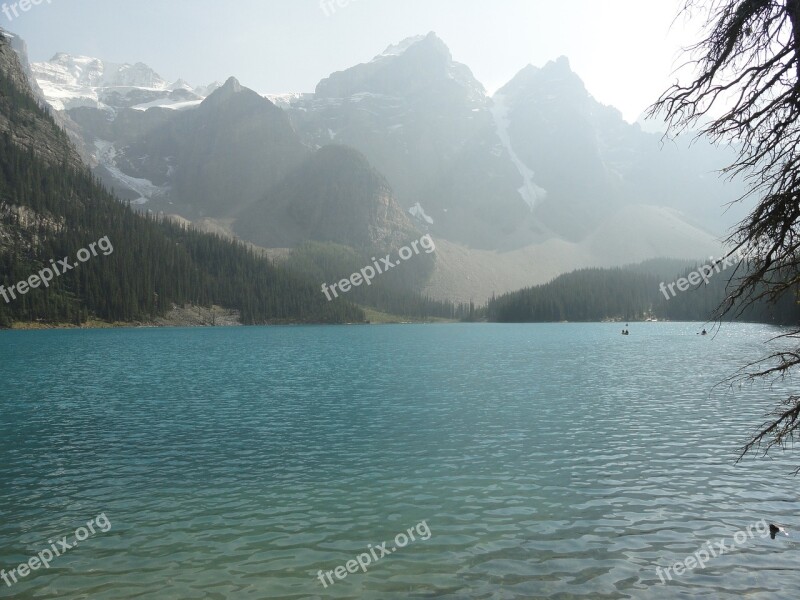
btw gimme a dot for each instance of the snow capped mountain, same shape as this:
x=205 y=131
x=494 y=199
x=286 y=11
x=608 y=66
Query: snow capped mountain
x=69 y=81
x=540 y=162
x=209 y=161
x=85 y=71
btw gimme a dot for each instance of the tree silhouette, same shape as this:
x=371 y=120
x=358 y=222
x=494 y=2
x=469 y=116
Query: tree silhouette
x=745 y=91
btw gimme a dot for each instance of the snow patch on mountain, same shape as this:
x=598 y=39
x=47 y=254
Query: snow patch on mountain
x=180 y=85
x=106 y=155
x=168 y=103
x=419 y=213
x=60 y=86
x=531 y=193
x=287 y=100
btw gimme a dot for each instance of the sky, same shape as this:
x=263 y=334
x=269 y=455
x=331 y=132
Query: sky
x=626 y=51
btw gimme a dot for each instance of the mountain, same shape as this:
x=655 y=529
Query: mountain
x=567 y=182
x=69 y=82
x=51 y=207
x=418 y=115
x=536 y=180
x=210 y=161
x=595 y=164
x=334 y=196
x=540 y=160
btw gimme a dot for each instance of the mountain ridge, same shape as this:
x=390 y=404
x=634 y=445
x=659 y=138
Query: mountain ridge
x=538 y=162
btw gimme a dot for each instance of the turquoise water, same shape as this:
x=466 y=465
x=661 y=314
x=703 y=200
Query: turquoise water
x=547 y=461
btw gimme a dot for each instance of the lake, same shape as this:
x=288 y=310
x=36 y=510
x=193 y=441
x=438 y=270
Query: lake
x=527 y=461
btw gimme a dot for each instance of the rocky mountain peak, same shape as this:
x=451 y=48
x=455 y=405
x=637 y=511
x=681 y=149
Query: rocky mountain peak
x=231 y=86
x=556 y=81
x=430 y=44
x=232 y=93
x=417 y=65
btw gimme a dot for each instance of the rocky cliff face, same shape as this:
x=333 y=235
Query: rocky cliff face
x=21 y=118
x=28 y=131
x=335 y=196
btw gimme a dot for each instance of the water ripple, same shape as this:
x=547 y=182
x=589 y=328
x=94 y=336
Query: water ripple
x=549 y=461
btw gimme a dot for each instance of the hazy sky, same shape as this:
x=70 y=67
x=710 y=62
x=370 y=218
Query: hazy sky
x=625 y=50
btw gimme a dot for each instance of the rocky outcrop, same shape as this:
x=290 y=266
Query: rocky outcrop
x=28 y=131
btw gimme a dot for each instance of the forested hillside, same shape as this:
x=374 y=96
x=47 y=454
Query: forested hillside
x=51 y=211
x=631 y=293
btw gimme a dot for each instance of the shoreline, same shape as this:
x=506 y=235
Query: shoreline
x=201 y=317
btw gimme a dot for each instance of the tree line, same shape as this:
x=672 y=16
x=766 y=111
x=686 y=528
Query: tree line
x=635 y=293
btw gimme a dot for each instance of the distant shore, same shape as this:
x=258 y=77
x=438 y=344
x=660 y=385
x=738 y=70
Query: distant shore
x=198 y=316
